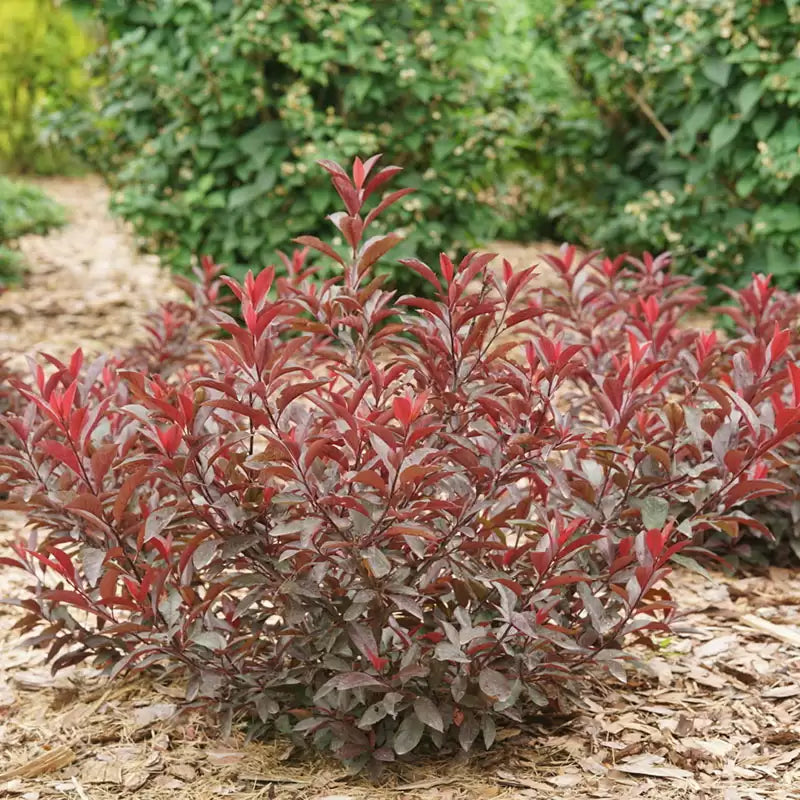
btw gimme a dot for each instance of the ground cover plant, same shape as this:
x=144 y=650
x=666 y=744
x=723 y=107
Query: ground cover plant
x=23 y=209
x=381 y=522
x=680 y=133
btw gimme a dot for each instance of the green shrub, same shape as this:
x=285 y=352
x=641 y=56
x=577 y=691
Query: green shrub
x=26 y=209
x=688 y=133
x=11 y=265
x=23 y=209
x=42 y=52
x=522 y=65
x=215 y=113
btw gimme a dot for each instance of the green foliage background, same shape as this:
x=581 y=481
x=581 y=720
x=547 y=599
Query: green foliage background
x=215 y=113
x=624 y=124
x=684 y=132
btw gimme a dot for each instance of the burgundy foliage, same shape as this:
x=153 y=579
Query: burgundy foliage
x=712 y=382
x=379 y=521
x=766 y=339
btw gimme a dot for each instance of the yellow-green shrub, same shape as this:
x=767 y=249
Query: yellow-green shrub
x=42 y=51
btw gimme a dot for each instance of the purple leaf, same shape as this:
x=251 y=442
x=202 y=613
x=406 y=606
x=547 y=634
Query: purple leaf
x=494 y=684
x=408 y=735
x=428 y=713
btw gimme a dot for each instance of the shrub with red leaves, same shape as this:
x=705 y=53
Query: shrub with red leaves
x=7 y=396
x=381 y=521
x=766 y=341
x=752 y=374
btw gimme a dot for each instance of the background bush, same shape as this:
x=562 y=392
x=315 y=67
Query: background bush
x=681 y=131
x=627 y=125
x=23 y=209
x=42 y=54
x=215 y=111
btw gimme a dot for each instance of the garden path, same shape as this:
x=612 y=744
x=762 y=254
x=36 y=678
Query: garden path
x=86 y=286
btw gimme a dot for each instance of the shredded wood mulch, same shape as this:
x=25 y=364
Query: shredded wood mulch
x=86 y=284
x=714 y=712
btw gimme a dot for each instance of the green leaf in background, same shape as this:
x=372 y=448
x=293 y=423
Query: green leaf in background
x=783 y=218
x=764 y=123
x=43 y=48
x=260 y=138
x=723 y=133
x=717 y=70
x=633 y=126
x=745 y=185
x=749 y=95
x=243 y=195
x=254 y=93
x=698 y=118
x=667 y=78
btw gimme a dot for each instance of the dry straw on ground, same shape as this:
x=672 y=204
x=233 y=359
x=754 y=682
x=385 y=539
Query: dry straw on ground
x=714 y=713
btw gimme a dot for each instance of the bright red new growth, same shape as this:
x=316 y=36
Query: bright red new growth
x=376 y=519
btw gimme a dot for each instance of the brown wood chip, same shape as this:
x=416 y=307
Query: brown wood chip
x=50 y=761
x=782 y=632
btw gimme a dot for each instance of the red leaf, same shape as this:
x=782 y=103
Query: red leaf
x=67 y=568
x=170 y=438
x=90 y=505
x=358 y=172
x=751 y=489
x=794 y=374
x=408 y=529
x=446 y=265
x=370 y=478
x=76 y=362
x=655 y=541
x=64 y=596
x=101 y=462
x=61 y=453
x=387 y=201
x=421 y=269
x=566 y=579
x=129 y=486
x=347 y=192
x=374 y=248
x=317 y=244
x=402 y=410
x=332 y=167
x=384 y=175
x=293 y=392
x=108 y=583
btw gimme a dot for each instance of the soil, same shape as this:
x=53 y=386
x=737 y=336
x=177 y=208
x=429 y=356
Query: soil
x=713 y=712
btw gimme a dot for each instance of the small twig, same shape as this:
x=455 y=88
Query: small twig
x=431 y=784
x=79 y=789
x=114 y=735
x=256 y=778
x=647 y=110
x=50 y=761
